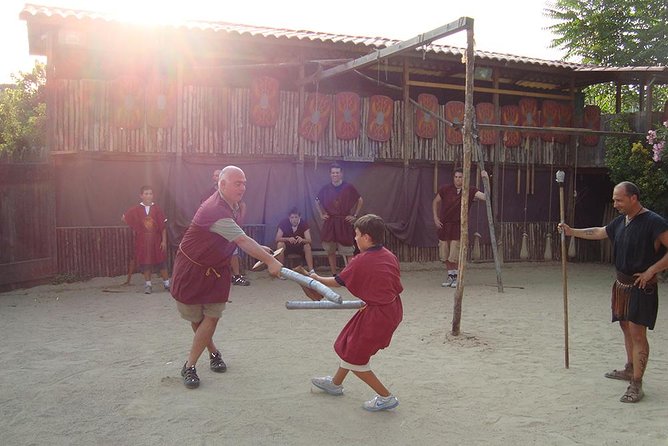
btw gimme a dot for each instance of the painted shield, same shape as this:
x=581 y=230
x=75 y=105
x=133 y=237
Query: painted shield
x=484 y=114
x=347 y=115
x=591 y=119
x=549 y=117
x=565 y=120
x=128 y=102
x=379 y=122
x=529 y=116
x=160 y=103
x=426 y=125
x=315 y=118
x=510 y=115
x=264 y=100
x=454 y=112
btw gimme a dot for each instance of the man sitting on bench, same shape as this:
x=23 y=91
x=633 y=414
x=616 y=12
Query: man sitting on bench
x=294 y=236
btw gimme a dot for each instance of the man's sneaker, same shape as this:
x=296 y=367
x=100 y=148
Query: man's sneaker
x=240 y=280
x=453 y=284
x=166 y=287
x=190 y=378
x=148 y=289
x=325 y=383
x=217 y=363
x=448 y=281
x=381 y=403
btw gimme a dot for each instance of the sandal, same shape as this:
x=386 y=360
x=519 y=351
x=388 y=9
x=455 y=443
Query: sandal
x=623 y=375
x=633 y=393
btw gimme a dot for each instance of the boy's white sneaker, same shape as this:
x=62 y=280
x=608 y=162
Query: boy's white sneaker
x=325 y=383
x=381 y=403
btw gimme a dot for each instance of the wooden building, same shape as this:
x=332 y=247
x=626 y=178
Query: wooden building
x=165 y=105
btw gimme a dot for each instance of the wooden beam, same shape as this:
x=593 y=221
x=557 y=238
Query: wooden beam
x=492 y=90
x=422 y=39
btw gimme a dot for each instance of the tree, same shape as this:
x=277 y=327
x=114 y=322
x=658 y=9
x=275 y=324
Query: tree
x=23 y=115
x=613 y=33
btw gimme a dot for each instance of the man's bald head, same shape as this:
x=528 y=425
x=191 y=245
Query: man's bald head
x=232 y=184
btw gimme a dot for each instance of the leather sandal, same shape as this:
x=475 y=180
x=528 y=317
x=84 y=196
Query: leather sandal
x=623 y=375
x=633 y=393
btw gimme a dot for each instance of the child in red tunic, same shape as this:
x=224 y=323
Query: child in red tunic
x=374 y=277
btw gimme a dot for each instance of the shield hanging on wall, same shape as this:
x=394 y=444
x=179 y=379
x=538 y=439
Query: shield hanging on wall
x=565 y=120
x=264 y=101
x=347 y=115
x=591 y=119
x=529 y=116
x=549 y=117
x=484 y=113
x=160 y=102
x=426 y=125
x=315 y=117
x=454 y=112
x=510 y=115
x=379 y=122
x=128 y=102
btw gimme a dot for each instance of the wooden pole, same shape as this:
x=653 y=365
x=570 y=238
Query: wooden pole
x=469 y=113
x=560 y=179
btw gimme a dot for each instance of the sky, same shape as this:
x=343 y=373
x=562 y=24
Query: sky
x=513 y=27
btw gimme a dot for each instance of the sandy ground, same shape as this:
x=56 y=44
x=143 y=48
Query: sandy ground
x=85 y=366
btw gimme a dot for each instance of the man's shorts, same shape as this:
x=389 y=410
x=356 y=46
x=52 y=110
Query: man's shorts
x=332 y=247
x=448 y=250
x=195 y=313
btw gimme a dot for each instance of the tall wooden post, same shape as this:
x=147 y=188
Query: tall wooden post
x=560 y=179
x=469 y=112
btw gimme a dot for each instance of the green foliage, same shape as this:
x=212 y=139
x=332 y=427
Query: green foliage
x=23 y=115
x=614 y=33
x=629 y=159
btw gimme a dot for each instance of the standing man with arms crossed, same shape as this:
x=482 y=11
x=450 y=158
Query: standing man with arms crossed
x=339 y=204
x=446 y=209
x=640 y=244
x=201 y=280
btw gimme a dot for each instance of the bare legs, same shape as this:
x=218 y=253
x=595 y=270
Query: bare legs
x=637 y=347
x=203 y=338
x=368 y=377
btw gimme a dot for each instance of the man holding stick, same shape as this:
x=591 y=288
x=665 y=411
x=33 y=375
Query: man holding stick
x=640 y=245
x=201 y=280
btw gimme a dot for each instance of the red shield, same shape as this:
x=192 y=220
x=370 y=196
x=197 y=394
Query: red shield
x=128 y=102
x=484 y=114
x=549 y=117
x=160 y=103
x=379 y=122
x=426 y=125
x=347 y=115
x=315 y=118
x=264 y=101
x=454 y=112
x=510 y=115
x=591 y=119
x=529 y=116
x=565 y=120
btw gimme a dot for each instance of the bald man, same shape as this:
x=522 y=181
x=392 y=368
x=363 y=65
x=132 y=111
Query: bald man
x=201 y=280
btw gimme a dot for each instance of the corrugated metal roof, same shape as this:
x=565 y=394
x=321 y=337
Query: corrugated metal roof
x=32 y=11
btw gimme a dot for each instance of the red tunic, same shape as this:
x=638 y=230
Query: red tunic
x=148 y=233
x=201 y=268
x=374 y=277
x=338 y=201
x=450 y=212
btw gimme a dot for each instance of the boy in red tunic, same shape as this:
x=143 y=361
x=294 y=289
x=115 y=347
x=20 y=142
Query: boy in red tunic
x=148 y=224
x=373 y=276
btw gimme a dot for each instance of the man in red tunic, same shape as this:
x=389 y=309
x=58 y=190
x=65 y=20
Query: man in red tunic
x=338 y=203
x=201 y=281
x=148 y=224
x=374 y=277
x=446 y=207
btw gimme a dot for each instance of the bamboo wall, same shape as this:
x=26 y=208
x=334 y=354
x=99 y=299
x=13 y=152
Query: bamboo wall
x=215 y=120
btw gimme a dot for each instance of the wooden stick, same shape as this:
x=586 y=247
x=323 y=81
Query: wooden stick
x=560 y=179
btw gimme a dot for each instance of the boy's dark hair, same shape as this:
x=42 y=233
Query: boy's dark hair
x=335 y=166
x=373 y=226
x=144 y=188
x=458 y=170
x=295 y=211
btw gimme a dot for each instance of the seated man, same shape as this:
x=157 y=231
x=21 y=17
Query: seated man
x=294 y=236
